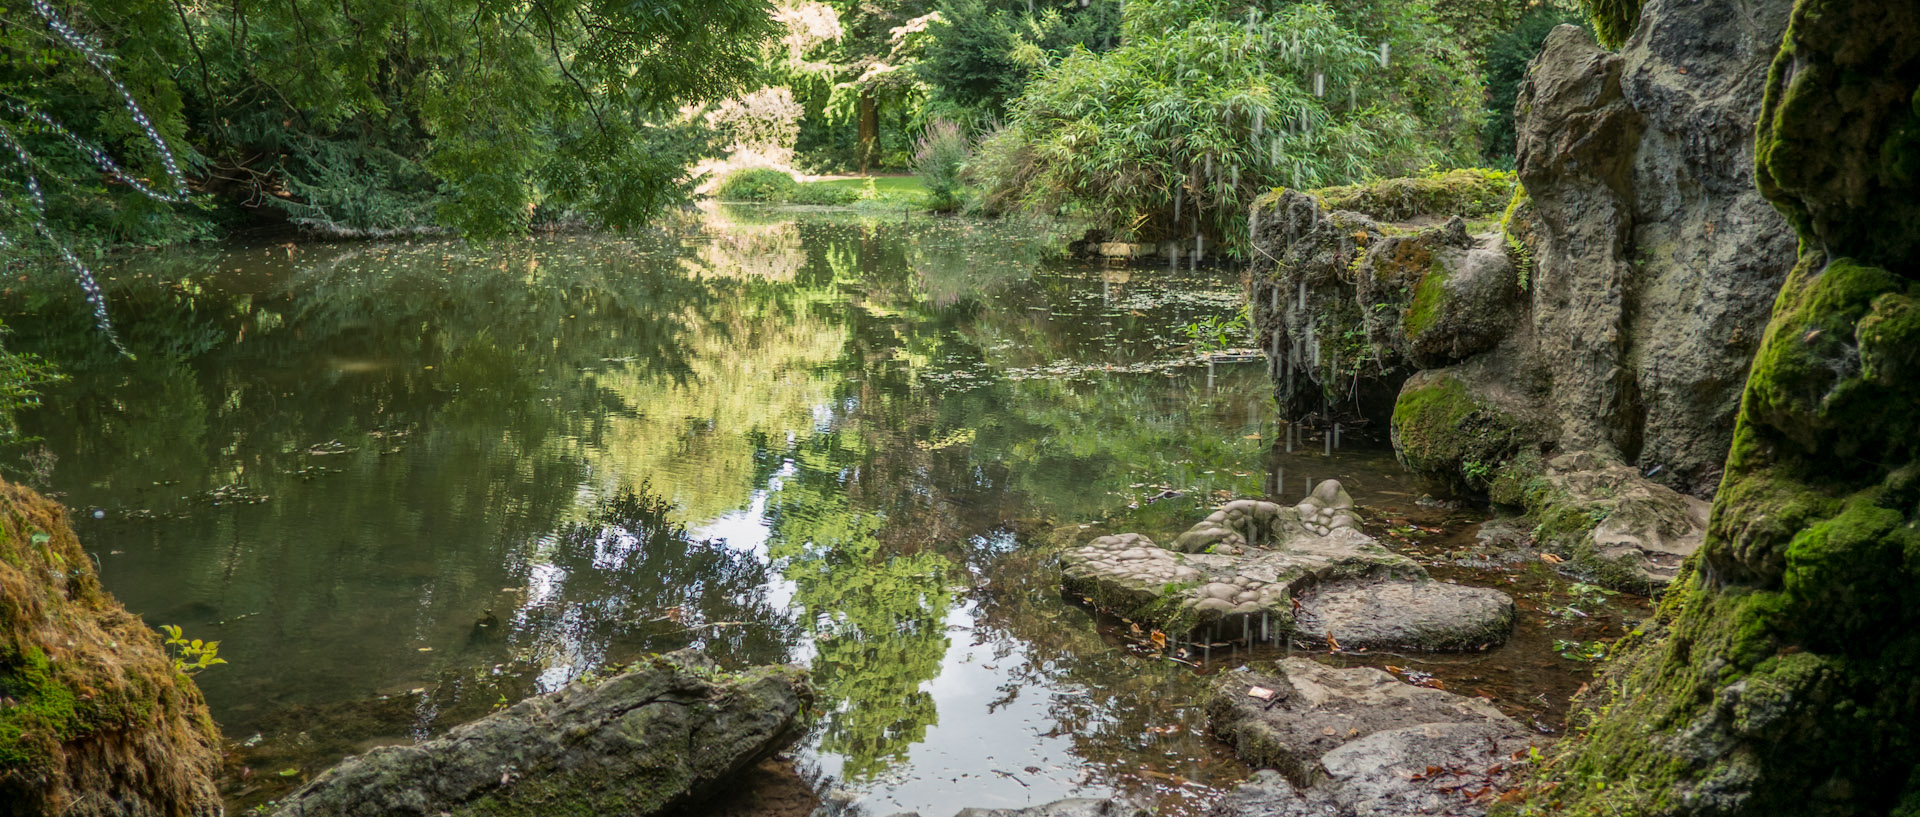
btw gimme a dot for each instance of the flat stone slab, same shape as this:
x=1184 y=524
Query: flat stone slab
x=1427 y=615
x=1071 y=807
x=1392 y=774
x=1315 y=709
x=1131 y=576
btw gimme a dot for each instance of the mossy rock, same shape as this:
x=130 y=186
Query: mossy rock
x=94 y=720
x=1451 y=438
x=1468 y=192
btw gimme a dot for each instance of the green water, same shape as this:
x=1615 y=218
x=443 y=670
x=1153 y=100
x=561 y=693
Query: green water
x=403 y=483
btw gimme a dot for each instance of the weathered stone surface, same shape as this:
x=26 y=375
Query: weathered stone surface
x=1071 y=807
x=1777 y=678
x=1253 y=558
x=94 y=720
x=652 y=737
x=1319 y=709
x=1642 y=267
x=1617 y=527
x=1128 y=575
x=1421 y=615
x=1257 y=523
x=1387 y=774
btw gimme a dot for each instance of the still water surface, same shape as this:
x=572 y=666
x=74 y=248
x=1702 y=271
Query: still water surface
x=404 y=483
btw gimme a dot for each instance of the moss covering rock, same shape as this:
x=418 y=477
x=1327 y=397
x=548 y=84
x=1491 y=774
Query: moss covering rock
x=1467 y=192
x=94 y=719
x=1778 y=675
x=1615 y=527
x=1452 y=437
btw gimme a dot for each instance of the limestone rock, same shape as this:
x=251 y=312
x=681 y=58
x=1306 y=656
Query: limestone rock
x=1256 y=523
x=1319 y=709
x=1420 y=615
x=1640 y=262
x=1385 y=774
x=94 y=721
x=1617 y=527
x=653 y=737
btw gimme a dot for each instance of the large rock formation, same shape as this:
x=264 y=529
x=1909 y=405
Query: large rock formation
x=94 y=719
x=1611 y=312
x=653 y=737
x=1778 y=677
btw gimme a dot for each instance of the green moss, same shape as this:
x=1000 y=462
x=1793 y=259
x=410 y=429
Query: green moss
x=44 y=713
x=1516 y=229
x=1613 y=20
x=1451 y=439
x=1469 y=193
x=1428 y=297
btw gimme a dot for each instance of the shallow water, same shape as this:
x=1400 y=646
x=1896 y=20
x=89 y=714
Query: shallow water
x=406 y=483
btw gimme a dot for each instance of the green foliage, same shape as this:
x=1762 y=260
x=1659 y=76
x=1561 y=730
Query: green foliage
x=1206 y=105
x=937 y=162
x=1504 y=64
x=984 y=53
x=756 y=184
x=190 y=656
x=21 y=377
x=1613 y=20
x=1213 y=332
x=372 y=117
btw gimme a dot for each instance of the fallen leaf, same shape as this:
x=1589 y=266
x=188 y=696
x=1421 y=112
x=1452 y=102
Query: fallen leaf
x=1159 y=639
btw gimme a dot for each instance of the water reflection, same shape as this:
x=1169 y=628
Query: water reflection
x=404 y=482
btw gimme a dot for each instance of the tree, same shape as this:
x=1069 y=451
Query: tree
x=370 y=117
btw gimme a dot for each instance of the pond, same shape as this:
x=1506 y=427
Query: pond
x=406 y=483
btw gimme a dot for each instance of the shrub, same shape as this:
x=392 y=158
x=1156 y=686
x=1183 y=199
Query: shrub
x=1208 y=105
x=756 y=184
x=938 y=160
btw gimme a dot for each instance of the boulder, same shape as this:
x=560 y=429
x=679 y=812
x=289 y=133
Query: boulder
x=657 y=735
x=95 y=721
x=1625 y=289
x=1430 y=615
x=1315 y=709
x=1616 y=527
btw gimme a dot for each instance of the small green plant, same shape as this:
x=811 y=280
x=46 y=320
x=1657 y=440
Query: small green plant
x=1476 y=471
x=190 y=656
x=1214 y=332
x=938 y=160
x=1581 y=650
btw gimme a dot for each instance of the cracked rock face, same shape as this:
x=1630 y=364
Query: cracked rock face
x=654 y=737
x=1249 y=561
x=1348 y=734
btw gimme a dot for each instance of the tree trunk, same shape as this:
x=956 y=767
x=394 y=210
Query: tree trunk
x=1782 y=672
x=869 y=143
